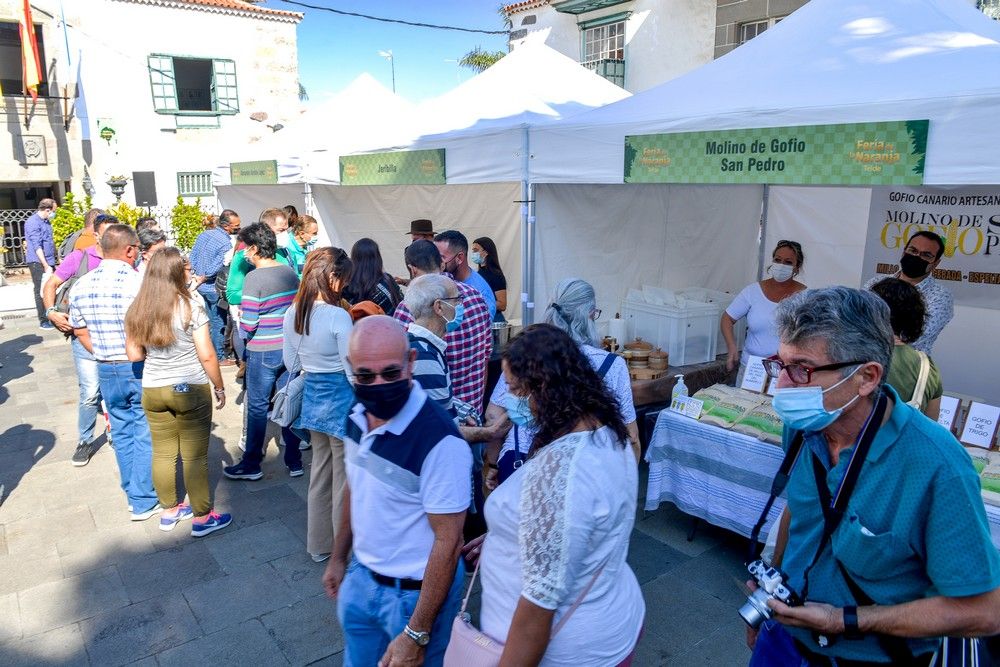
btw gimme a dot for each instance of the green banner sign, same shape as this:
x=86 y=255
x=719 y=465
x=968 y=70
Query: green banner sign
x=889 y=153
x=261 y=172
x=394 y=168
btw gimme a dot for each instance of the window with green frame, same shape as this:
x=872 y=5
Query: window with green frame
x=194 y=184
x=603 y=46
x=197 y=86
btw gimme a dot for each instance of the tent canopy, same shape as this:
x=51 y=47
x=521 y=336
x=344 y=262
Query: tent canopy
x=832 y=61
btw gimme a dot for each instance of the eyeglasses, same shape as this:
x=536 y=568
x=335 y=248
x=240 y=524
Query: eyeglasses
x=798 y=373
x=389 y=374
x=451 y=299
x=926 y=256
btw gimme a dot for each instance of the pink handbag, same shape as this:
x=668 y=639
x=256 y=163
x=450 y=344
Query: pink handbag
x=470 y=647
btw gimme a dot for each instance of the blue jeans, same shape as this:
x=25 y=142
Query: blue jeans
x=216 y=321
x=372 y=614
x=90 y=391
x=121 y=386
x=265 y=373
x=775 y=648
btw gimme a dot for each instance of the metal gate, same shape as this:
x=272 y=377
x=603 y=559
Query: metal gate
x=12 y=226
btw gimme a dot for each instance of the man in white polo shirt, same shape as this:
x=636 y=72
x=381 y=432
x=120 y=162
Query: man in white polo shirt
x=404 y=506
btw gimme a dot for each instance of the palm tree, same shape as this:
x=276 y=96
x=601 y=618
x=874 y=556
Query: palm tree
x=303 y=95
x=478 y=59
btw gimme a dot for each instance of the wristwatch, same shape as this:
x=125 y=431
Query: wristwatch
x=51 y=309
x=851 y=629
x=421 y=638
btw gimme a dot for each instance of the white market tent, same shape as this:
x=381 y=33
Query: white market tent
x=355 y=118
x=482 y=125
x=832 y=61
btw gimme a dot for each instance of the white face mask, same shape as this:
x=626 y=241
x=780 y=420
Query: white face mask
x=282 y=238
x=781 y=272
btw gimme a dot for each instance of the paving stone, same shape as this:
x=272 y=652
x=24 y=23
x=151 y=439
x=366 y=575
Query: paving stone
x=61 y=646
x=247 y=644
x=726 y=647
x=59 y=603
x=229 y=600
x=254 y=545
x=3 y=540
x=297 y=523
x=678 y=615
x=668 y=524
x=649 y=558
x=102 y=548
x=23 y=572
x=301 y=574
x=272 y=503
x=127 y=634
x=151 y=574
x=307 y=631
x=719 y=572
x=26 y=536
x=336 y=660
x=10 y=618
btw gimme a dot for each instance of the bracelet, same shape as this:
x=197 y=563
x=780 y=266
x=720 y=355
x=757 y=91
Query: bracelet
x=51 y=309
x=219 y=390
x=494 y=466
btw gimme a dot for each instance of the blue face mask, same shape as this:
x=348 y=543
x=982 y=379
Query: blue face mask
x=455 y=322
x=311 y=245
x=802 y=409
x=519 y=411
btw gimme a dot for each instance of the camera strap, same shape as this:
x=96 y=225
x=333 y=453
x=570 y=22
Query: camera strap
x=778 y=485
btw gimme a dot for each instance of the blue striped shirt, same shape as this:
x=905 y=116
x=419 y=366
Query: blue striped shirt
x=99 y=301
x=207 y=254
x=430 y=368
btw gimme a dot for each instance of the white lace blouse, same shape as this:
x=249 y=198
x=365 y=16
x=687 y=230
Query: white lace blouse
x=560 y=517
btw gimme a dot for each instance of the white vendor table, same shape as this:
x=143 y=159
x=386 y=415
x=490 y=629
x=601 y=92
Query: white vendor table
x=721 y=476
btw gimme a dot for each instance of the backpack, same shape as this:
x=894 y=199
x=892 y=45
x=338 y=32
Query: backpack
x=62 y=292
x=66 y=247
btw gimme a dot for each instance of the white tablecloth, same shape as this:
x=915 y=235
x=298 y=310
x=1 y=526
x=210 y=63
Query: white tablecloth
x=721 y=476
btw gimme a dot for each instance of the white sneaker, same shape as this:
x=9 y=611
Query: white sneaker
x=142 y=516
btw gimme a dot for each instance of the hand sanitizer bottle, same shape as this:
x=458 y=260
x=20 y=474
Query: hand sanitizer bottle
x=680 y=389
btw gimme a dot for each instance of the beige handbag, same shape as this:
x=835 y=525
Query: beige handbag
x=470 y=647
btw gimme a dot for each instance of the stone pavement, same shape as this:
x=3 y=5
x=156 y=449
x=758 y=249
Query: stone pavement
x=82 y=585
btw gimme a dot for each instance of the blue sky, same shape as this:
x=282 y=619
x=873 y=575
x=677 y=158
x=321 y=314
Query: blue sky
x=334 y=49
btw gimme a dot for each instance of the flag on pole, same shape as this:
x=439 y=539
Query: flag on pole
x=31 y=66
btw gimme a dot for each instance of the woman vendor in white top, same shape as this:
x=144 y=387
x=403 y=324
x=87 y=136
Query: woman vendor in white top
x=757 y=302
x=559 y=526
x=507 y=430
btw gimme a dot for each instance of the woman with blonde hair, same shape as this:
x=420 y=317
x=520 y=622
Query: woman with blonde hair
x=317 y=327
x=168 y=328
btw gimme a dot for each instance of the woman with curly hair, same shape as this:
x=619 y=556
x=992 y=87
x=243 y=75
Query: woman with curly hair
x=559 y=527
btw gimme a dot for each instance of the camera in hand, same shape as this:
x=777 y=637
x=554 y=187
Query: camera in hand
x=770 y=584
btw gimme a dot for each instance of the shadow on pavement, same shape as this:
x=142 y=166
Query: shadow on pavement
x=16 y=361
x=21 y=448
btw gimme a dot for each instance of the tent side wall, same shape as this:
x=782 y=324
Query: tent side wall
x=383 y=213
x=618 y=237
x=832 y=225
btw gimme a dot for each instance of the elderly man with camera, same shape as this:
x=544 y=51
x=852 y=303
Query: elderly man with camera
x=884 y=546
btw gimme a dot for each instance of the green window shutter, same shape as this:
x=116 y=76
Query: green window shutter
x=161 y=80
x=225 y=97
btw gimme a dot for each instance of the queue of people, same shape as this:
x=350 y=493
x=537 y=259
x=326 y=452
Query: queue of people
x=391 y=402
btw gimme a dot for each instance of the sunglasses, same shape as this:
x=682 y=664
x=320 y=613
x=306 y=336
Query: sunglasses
x=389 y=374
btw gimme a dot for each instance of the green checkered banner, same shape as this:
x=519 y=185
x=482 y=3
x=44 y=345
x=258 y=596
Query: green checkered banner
x=889 y=153
x=260 y=172
x=394 y=168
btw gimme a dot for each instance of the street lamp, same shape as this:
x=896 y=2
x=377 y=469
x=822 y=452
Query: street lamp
x=392 y=63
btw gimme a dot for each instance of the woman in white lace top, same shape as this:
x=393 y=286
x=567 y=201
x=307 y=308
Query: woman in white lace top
x=559 y=526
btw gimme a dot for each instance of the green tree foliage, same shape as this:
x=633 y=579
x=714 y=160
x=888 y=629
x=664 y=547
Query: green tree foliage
x=68 y=217
x=186 y=223
x=478 y=60
x=127 y=215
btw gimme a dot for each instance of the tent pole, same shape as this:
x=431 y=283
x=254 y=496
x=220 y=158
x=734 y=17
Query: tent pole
x=308 y=193
x=527 y=233
x=763 y=232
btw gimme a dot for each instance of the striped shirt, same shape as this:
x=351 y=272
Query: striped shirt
x=99 y=301
x=267 y=294
x=469 y=347
x=430 y=368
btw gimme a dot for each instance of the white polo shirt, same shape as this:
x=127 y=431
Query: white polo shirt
x=413 y=465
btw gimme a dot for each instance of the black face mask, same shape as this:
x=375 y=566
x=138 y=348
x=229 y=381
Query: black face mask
x=913 y=266
x=383 y=400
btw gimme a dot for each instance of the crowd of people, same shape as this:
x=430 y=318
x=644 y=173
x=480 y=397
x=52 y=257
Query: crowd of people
x=419 y=472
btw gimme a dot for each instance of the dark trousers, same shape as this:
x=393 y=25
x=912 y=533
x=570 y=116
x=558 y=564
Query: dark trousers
x=37 y=274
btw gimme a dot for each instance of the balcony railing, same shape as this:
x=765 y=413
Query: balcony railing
x=610 y=68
